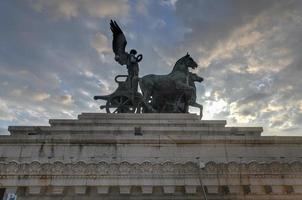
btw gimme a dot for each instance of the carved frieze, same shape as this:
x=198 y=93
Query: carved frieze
x=146 y=168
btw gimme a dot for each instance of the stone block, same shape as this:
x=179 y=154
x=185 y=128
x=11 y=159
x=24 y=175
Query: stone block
x=147 y=189
x=297 y=189
x=190 y=189
x=278 y=189
x=34 y=189
x=57 y=190
x=102 y=189
x=212 y=189
x=257 y=189
x=80 y=189
x=125 y=189
x=235 y=189
x=169 y=189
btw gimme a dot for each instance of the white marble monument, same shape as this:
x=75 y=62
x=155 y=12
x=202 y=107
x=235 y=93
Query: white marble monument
x=148 y=156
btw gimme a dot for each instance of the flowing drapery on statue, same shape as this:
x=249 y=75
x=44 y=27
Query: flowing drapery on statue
x=170 y=93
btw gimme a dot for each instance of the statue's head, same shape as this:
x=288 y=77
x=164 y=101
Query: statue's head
x=189 y=62
x=133 y=52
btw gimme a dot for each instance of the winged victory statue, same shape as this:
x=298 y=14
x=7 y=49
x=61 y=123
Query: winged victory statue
x=119 y=43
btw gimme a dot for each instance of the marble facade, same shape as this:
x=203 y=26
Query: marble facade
x=148 y=156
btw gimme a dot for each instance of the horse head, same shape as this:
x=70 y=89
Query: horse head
x=184 y=63
x=189 y=62
x=195 y=78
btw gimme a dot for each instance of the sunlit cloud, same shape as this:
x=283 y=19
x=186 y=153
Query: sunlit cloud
x=67 y=9
x=101 y=44
x=5 y=112
x=41 y=96
x=66 y=99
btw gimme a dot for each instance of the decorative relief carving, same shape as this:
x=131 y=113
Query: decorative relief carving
x=168 y=168
x=179 y=168
x=125 y=168
x=47 y=168
x=233 y=167
x=34 y=167
x=146 y=168
x=91 y=169
x=295 y=166
x=156 y=168
x=276 y=167
x=191 y=167
x=102 y=168
x=113 y=169
x=211 y=167
x=286 y=167
x=79 y=167
x=57 y=168
x=135 y=169
x=12 y=167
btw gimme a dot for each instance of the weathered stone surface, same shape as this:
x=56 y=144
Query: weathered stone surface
x=34 y=190
x=98 y=157
x=80 y=189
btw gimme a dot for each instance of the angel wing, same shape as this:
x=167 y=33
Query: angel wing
x=119 y=43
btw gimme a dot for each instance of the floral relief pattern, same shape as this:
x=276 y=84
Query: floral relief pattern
x=125 y=168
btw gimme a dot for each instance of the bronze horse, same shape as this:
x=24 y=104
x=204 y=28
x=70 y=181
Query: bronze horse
x=169 y=93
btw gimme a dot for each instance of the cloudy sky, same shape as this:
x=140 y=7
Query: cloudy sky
x=55 y=55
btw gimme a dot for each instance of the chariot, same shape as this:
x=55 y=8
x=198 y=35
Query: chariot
x=165 y=100
x=124 y=99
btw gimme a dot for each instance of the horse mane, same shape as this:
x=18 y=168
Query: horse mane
x=178 y=62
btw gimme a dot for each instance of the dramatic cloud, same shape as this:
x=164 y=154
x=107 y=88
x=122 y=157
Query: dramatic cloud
x=101 y=44
x=66 y=99
x=6 y=113
x=73 y=8
x=55 y=55
x=249 y=53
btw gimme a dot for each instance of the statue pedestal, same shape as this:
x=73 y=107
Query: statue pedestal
x=140 y=156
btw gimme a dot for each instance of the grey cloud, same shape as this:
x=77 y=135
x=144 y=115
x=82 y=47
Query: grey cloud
x=254 y=97
x=250 y=54
x=44 y=65
x=68 y=9
x=215 y=21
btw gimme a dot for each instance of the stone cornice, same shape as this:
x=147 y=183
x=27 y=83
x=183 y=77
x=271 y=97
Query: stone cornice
x=111 y=138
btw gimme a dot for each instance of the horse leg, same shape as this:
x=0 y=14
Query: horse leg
x=197 y=105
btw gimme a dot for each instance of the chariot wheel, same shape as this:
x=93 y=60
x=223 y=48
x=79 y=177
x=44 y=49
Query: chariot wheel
x=121 y=104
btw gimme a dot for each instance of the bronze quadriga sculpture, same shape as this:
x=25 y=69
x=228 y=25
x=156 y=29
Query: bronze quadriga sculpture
x=171 y=93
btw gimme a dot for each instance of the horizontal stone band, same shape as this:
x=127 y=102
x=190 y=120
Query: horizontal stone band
x=146 y=168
